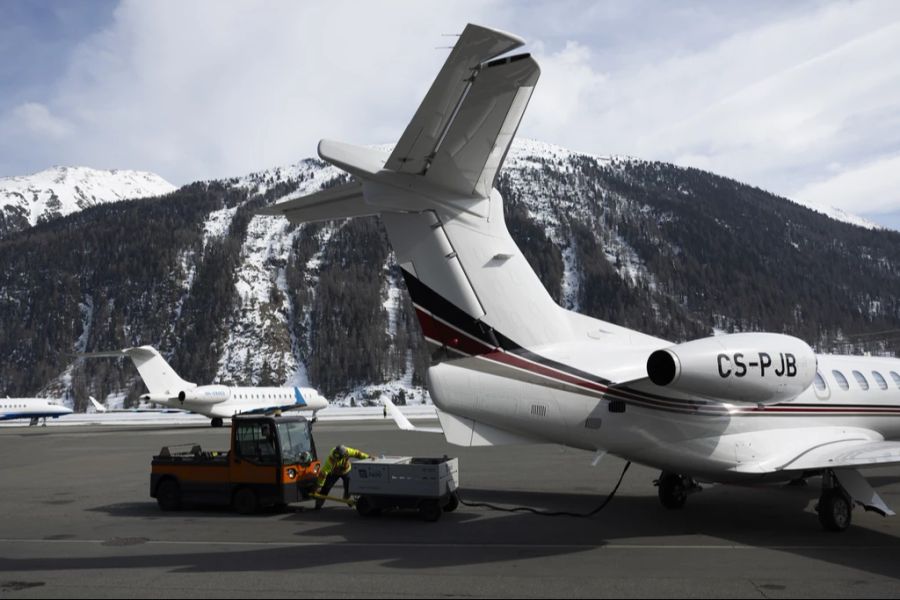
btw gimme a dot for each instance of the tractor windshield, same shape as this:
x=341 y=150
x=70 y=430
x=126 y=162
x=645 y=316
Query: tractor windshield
x=296 y=443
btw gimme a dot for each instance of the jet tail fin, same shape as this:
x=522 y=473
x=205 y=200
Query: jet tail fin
x=429 y=126
x=97 y=406
x=157 y=374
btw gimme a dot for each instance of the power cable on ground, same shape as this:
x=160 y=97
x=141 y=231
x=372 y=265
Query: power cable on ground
x=549 y=513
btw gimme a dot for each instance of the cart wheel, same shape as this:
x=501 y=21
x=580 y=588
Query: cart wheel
x=430 y=510
x=168 y=495
x=245 y=501
x=365 y=507
x=452 y=503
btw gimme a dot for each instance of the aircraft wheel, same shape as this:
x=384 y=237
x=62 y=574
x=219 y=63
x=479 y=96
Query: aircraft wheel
x=168 y=495
x=673 y=490
x=835 y=510
x=216 y=422
x=245 y=501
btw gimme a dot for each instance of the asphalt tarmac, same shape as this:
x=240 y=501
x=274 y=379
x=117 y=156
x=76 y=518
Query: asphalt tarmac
x=76 y=520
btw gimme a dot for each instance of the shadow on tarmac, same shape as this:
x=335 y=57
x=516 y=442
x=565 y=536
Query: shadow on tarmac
x=777 y=518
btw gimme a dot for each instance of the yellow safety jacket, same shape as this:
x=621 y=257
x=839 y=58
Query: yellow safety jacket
x=339 y=465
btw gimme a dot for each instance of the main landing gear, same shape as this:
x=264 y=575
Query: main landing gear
x=674 y=489
x=842 y=490
x=216 y=422
x=835 y=507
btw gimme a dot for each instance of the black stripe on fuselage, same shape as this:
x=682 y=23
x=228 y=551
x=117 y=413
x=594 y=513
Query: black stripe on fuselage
x=492 y=341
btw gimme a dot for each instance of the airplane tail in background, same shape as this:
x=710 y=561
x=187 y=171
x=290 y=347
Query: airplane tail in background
x=473 y=290
x=156 y=373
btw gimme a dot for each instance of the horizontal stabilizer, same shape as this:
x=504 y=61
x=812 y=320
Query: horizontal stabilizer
x=341 y=202
x=356 y=160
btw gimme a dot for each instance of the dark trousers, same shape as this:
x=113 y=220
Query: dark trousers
x=330 y=480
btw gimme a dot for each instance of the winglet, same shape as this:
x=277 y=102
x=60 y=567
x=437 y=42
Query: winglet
x=402 y=422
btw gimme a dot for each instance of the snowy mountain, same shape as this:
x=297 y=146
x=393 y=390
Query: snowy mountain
x=839 y=214
x=234 y=297
x=28 y=200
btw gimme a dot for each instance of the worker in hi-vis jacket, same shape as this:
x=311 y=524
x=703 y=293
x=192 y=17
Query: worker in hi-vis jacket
x=337 y=466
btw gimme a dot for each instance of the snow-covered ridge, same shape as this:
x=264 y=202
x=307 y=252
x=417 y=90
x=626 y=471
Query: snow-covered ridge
x=838 y=214
x=60 y=191
x=523 y=152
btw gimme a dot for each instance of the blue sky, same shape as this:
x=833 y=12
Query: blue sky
x=801 y=98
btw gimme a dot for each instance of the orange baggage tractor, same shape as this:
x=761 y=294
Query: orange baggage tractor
x=272 y=462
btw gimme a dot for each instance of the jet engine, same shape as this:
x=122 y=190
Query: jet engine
x=207 y=394
x=761 y=368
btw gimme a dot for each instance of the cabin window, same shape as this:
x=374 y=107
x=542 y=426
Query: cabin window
x=879 y=380
x=820 y=382
x=841 y=380
x=896 y=378
x=861 y=380
x=256 y=442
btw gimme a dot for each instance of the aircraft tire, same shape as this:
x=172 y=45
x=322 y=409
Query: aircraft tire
x=216 y=422
x=835 y=510
x=673 y=491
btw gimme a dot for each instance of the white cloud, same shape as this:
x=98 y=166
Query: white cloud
x=775 y=105
x=871 y=188
x=209 y=89
x=778 y=96
x=34 y=119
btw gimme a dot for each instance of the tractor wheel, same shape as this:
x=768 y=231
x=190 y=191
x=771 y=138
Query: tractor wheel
x=168 y=495
x=245 y=501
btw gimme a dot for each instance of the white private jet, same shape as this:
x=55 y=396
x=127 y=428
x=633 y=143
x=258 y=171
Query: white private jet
x=36 y=409
x=515 y=367
x=217 y=402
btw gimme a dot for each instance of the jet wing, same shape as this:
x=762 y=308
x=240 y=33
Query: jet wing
x=847 y=453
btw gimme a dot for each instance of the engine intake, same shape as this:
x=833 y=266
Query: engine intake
x=743 y=367
x=207 y=394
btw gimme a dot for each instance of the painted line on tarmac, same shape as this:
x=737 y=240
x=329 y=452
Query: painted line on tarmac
x=112 y=542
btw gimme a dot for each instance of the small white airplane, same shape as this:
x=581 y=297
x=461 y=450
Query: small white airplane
x=515 y=367
x=217 y=402
x=36 y=409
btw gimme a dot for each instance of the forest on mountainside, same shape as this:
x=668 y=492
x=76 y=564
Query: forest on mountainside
x=678 y=253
